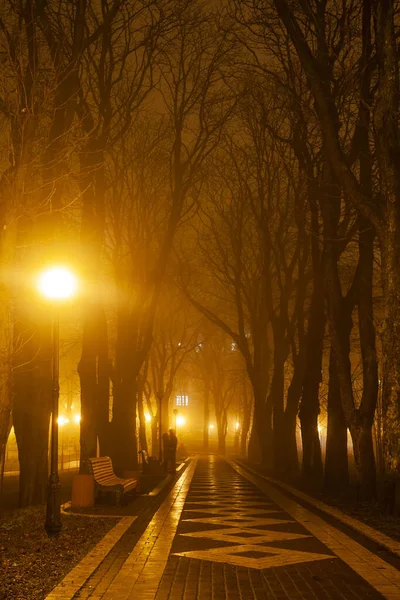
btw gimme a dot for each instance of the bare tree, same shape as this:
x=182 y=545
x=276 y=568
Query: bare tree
x=195 y=106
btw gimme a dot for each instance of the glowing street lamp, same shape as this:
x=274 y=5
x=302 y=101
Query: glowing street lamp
x=56 y=284
x=180 y=421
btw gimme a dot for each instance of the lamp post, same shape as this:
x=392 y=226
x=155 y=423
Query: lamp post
x=175 y=411
x=56 y=284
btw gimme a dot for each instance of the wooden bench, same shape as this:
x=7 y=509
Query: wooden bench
x=106 y=480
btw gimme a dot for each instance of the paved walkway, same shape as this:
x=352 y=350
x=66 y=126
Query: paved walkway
x=224 y=534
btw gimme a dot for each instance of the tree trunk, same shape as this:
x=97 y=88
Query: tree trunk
x=5 y=401
x=364 y=458
x=5 y=428
x=312 y=468
x=387 y=135
x=291 y=461
x=244 y=434
x=155 y=447
x=87 y=369
x=124 y=449
x=206 y=424
x=261 y=441
x=7 y=261
x=221 y=440
x=103 y=400
x=31 y=415
x=142 y=423
x=276 y=401
x=361 y=429
x=336 y=476
x=390 y=254
x=221 y=426
x=245 y=426
x=94 y=385
x=254 y=447
x=312 y=460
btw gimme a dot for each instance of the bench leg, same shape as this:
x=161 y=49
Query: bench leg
x=118 y=497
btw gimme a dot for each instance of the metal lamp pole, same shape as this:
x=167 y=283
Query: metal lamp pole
x=56 y=283
x=53 y=509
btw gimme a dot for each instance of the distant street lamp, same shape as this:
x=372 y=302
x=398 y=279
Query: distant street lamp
x=56 y=284
x=180 y=421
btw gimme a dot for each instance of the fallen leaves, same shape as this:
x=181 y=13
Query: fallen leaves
x=31 y=563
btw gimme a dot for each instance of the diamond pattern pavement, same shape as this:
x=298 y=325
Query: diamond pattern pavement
x=241 y=544
x=222 y=535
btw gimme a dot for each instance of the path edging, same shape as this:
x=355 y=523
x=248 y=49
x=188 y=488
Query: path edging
x=366 y=530
x=77 y=577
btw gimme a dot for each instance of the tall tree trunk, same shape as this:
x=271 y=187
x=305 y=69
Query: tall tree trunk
x=261 y=439
x=221 y=438
x=6 y=347
x=155 y=446
x=142 y=423
x=220 y=418
x=309 y=406
x=104 y=370
x=387 y=133
x=244 y=431
x=276 y=401
x=206 y=422
x=312 y=468
x=94 y=334
x=361 y=430
x=336 y=476
x=5 y=429
x=87 y=370
x=31 y=415
x=166 y=422
x=291 y=461
x=390 y=255
x=124 y=450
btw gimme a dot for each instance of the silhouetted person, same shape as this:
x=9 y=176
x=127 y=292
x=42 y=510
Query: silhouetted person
x=166 y=452
x=173 y=442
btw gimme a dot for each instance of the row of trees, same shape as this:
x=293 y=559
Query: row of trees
x=242 y=161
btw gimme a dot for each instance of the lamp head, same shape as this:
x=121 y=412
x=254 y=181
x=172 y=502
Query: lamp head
x=57 y=283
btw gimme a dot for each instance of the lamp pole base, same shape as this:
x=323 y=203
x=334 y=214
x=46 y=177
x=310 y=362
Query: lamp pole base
x=53 y=510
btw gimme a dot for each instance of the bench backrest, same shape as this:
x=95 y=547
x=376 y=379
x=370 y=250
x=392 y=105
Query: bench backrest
x=102 y=468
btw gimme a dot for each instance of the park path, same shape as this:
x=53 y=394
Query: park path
x=224 y=534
